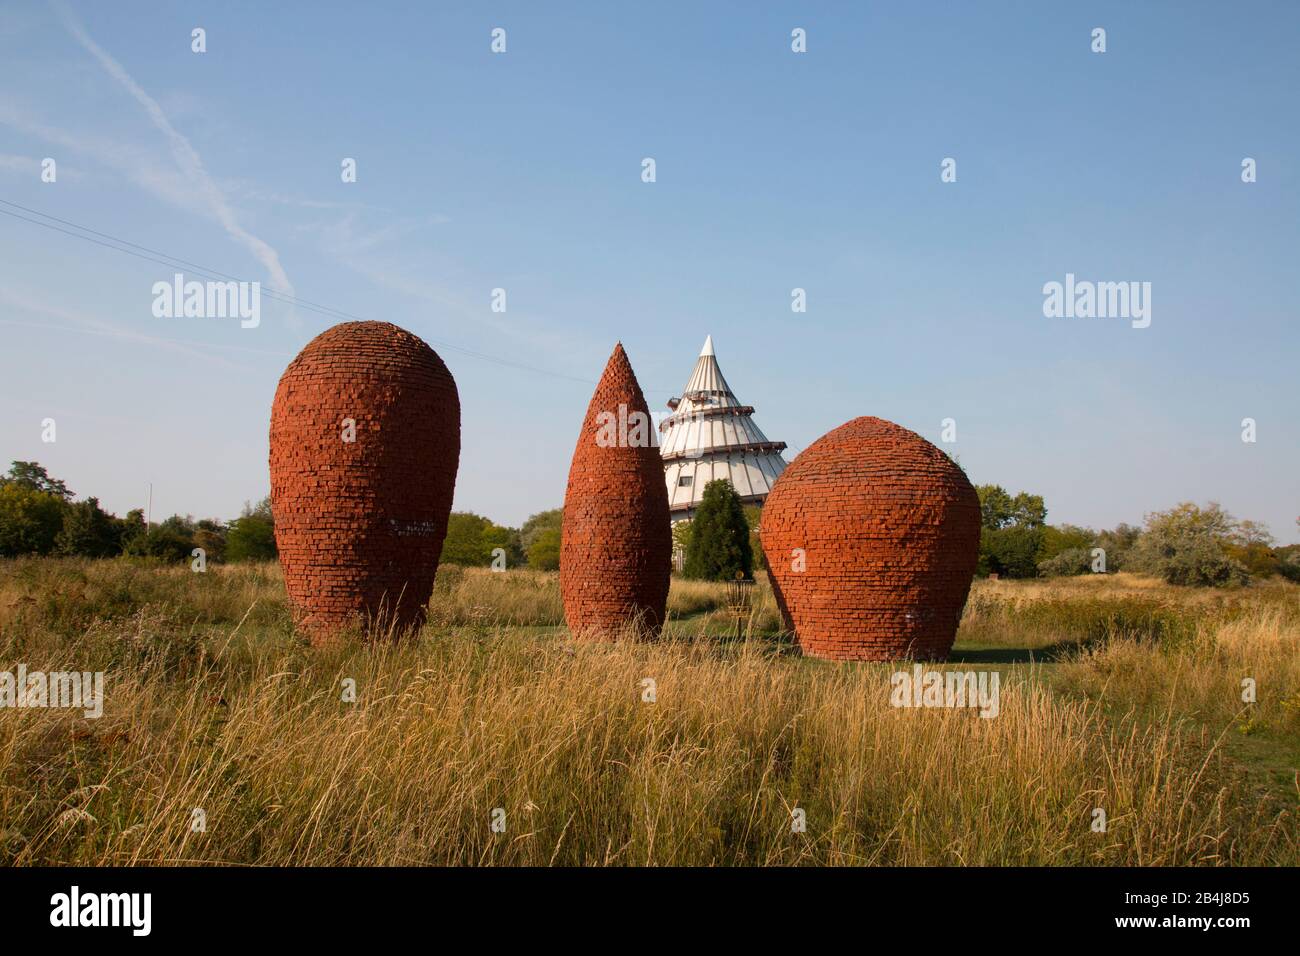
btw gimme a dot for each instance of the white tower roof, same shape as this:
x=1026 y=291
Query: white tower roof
x=711 y=435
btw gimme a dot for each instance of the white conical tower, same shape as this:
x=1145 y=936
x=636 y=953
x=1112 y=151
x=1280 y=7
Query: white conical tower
x=711 y=435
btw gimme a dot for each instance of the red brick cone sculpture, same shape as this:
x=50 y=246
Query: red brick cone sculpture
x=360 y=523
x=616 y=546
x=871 y=537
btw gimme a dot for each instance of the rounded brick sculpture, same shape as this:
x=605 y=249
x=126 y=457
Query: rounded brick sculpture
x=871 y=537
x=365 y=443
x=616 y=542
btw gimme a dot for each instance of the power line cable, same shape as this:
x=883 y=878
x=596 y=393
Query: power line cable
x=153 y=255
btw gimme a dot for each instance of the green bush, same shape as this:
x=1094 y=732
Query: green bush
x=1060 y=539
x=30 y=520
x=1069 y=562
x=1010 y=552
x=88 y=532
x=1189 y=546
x=251 y=536
x=719 y=538
x=1012 y=532
x=472 y=538
x=168 y=542
x=538 y=524
x=544 y=551
x=1288 y=562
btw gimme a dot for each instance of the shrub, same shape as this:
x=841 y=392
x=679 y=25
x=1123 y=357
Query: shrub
x=1288 y=562
x=1010 y=552
x=1013 y=531
x=1188 y=545
x=88 y=531
x=719 y=538
x=1060 y=539
x=544 y=552
x=1069 y=562
x=166 y=541
x=30 y=520
x=1118 y=545
x=538 y=524
x=471 y=539
x=251 y=536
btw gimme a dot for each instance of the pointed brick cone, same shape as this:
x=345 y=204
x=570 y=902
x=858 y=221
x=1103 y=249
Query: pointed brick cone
x=871 y=538
x=360 y=524
x=616 y=550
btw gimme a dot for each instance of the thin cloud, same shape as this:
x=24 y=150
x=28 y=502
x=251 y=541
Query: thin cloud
x=81 y=324
x=185 y=155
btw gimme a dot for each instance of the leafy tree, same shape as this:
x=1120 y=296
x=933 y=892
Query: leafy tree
x=29 y=474
x=1118 y=544
x=132 y=526
x=30 y=519
x=464 y=542
x=1068 y=562
x=1188 y=545
x=471 y=539
x=998 y=509
x=719 y=538
x=251 y=536
x=210 y=535
x=1010 y=552
x=544 y=553
x=1251 y=543
x=681 y=539
x=753 y=516
x=1066 y=537
x=539 y=523
x=1012 y=533
x=507 y=539
x=1288 y=562
x=170 y=541
x=88 y=531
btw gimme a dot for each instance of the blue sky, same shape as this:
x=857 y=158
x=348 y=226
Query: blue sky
x=775 y=170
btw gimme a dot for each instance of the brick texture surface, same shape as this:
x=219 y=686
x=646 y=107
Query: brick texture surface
x=616 y=547
x=890 y=531
x=360 y=525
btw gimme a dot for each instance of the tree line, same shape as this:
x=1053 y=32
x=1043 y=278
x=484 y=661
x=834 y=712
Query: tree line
x=1186 y=545
x=38 y=516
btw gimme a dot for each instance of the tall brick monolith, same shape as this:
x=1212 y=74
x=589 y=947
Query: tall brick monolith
x=616 y=543
x=871 y=538
x=365 y=444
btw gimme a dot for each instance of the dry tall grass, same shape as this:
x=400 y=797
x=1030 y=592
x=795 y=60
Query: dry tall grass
x=213 y=704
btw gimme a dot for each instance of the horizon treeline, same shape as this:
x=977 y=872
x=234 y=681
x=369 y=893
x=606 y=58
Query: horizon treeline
x=39 y=516
x=1185 y=545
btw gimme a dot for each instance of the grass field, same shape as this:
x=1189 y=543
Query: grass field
x=1117 y=693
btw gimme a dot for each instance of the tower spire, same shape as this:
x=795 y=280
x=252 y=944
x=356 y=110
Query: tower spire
x=711 y=435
